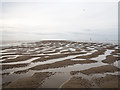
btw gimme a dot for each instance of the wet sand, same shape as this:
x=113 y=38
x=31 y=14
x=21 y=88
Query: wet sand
x=20 y=58
x=55 y=57
x=101 y=69
x=111 y=81
x=61 y=64
x=34 y=81
x=77 y=82
x=13 y=66
x=95 y=54
x=29 y=65
x=110 y=59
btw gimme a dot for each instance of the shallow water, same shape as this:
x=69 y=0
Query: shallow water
x=77 y=59
x=117 y=64
x=22 y=62
x=44 y=62
x=62 y=74
x=102 y=57
x=56 y=80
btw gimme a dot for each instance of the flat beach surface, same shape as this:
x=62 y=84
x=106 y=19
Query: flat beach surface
x=60 y=64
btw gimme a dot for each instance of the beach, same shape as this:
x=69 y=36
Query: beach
x=60 y=64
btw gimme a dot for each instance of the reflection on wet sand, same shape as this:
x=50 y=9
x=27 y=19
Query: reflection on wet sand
x=59 y=64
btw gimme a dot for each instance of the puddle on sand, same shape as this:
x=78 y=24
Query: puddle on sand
x=10 y=56
x=67 y=70
x=102 y=57
x=2 y=61
x=13 y=56
x=76 y=67
x=77 y=59
x=44 y=62
x=117 y=64
x=56 y=80
x=21 y=62
x=92 y=76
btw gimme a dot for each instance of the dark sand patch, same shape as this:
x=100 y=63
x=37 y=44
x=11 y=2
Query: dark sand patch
x=95 y=54
x=110 y=59
x=112 y=47
x=49 y=52
x=94 y=70
x=8 y=54
x=34 y=81
x=66 y=51
x=58 y=64
x=78 y=49
x=4 y=57
x=115 y=52
x=9 y=51
x=109 y=81
x=61 y=64
x=21 y=71
x=20 y=58
x=10 y=47
x=49 y=57
x=88 y=50
x=84 y=47
x=13 y=66
x=75 y=53
x=57 y=56
x=5 y=74
x=5 y=84
x=77 y=82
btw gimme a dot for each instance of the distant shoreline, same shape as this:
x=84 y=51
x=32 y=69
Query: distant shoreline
x=8 y=43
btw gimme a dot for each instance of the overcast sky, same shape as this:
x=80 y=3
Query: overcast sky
x=55 y=19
